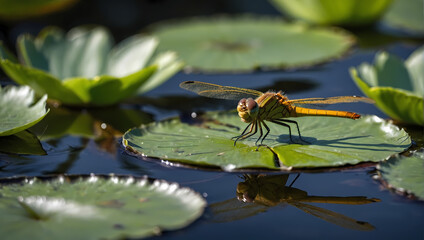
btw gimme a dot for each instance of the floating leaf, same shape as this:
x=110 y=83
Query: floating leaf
x=404 y=174
x=18 y=110
x=245 y=43
x=11 y=9
x=94 y=207
x=23 y=142
x=347 y=12
x=396 y=87
x=407 y=15
x=81 y=67
x=333 y=142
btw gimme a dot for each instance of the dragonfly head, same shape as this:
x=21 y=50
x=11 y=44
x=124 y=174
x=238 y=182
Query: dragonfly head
x=247 y=109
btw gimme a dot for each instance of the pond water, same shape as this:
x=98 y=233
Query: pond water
x=88 y=141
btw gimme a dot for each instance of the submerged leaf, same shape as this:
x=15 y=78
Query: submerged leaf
x=404 y=174
x=94 y=207
x=18 y=110
x=332 y=142
x=247 y=43
x=89 y=123
x=23 y=142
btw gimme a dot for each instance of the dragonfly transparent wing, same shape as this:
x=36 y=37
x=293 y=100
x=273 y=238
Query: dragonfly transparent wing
x=218 y=91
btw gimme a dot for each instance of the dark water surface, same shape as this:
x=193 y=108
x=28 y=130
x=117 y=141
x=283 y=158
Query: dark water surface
x=390 y=216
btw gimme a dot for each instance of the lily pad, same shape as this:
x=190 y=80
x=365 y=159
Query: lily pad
x=14 y=10
x=407 y=15
x=347 y=12
x=332 y=142
x=241 y=44
x=18 y=110
x=404 y=174
x=397 y=87
x=81 y=67
x=94 y=207
x=23 y=142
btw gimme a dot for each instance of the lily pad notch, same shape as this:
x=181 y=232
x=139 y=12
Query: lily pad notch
x=333 y=142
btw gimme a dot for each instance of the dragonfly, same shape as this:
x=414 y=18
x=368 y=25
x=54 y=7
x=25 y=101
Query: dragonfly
x=255 y=107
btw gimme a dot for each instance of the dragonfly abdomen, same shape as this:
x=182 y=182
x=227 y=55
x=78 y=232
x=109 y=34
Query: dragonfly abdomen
x=300 y=112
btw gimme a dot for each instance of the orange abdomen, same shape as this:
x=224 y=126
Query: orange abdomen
x=299 y=112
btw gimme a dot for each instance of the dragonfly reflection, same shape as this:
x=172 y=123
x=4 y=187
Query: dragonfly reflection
x=260 y=192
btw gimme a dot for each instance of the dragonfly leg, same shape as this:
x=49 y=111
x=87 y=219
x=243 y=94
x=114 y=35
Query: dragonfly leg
x=261 y=133
x=297 y=126
x=267 y=132
x=249 y=134
x=285 y=125
x=244 y=131
x=254 y=128
x=297 y=176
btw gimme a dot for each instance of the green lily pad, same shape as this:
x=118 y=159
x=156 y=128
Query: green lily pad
x=94 y=207
x=347 y=12
x=23 y=142
x=407 y=15
x=21 y=9
x=332 y=142
x=397 y=87
x=81 y=68
x=240 y=44
x=18 y=110
x=404 y=174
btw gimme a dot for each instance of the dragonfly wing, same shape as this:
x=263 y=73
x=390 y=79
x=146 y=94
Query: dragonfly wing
x=330 y=100
x=232 y=210
x=333 y=217
x=218 y=91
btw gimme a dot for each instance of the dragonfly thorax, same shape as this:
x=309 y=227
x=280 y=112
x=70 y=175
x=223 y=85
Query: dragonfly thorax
x=247 y=109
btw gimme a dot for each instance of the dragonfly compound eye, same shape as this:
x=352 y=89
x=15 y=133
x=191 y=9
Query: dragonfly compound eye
x=250 y=104
x=242 y=102
x=241 y=105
